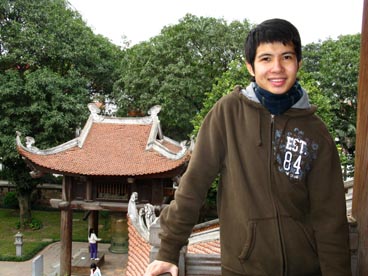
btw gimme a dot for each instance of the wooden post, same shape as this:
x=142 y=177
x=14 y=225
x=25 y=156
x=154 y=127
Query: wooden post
x=93 y=216
x=89 y=197
x=93 y=221
x=89 y=192
x=360 y=193
x=157 y=192
x=66 y=228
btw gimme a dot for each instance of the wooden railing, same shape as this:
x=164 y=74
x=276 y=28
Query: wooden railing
x=112 y=191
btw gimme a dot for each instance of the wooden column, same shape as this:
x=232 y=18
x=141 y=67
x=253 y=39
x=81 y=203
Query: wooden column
x=93 y=221
x=93 y=216
x=89 y=192
x=66 y=228
x=360 y=193
x=157 y=192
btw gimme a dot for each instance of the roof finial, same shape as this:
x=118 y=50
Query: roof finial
x=154 y=110
x=29 y=142
x=95 y=110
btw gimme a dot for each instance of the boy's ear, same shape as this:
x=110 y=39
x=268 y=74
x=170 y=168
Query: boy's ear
x=250 y=69
x=300 y=64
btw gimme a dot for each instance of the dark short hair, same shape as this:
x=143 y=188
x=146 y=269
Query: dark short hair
x=269 y=31
x=93 y=266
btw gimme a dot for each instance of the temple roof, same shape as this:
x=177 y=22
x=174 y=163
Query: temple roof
x=109 y=146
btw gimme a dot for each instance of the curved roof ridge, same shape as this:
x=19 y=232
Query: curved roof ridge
x=112 y=146
x=32 y=149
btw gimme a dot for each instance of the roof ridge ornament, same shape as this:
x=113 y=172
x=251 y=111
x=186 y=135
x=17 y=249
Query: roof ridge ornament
x=95 y=111
x=154 y=110
x=29 y=142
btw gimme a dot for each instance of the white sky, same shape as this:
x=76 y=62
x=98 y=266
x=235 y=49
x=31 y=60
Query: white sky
x=140 y=20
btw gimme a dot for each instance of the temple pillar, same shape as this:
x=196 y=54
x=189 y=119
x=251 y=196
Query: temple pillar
x=66 y=228
x=157 y=192
x=93 y=221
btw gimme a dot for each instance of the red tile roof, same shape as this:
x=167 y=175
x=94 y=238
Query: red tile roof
x=115 y=149
x=208 y=247
x=139 y=249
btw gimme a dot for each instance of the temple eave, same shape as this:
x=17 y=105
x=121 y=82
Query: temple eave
x=39 y=169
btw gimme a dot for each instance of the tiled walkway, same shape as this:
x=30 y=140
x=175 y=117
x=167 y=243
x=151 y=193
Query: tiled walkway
x=114 y=263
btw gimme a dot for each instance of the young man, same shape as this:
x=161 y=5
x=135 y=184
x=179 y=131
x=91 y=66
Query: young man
x=281 y=200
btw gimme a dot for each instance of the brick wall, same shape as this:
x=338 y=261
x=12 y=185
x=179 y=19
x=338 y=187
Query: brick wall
x=138 y=252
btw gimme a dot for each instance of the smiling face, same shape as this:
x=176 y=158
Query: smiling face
x=275 y=67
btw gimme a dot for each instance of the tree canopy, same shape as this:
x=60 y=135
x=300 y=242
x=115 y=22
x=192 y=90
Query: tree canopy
x=177 y=67
x=332 y=68
x=51 y=65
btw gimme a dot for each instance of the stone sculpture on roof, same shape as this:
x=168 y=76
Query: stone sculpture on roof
x=132 y=208
x=143 y=218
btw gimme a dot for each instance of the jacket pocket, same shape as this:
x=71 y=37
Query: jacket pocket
x=308 y=236
x=300 y=248
x=249 y=243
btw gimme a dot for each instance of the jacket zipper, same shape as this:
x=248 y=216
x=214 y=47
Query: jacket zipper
x=273 y=200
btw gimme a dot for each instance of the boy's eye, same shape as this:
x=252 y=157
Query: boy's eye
x=288 y=57
x=265 y=59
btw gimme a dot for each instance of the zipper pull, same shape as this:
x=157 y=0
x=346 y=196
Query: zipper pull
x=272 y=118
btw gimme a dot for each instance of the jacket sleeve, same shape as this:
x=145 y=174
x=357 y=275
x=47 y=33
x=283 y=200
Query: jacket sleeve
x=177 y=219
x=328 y=211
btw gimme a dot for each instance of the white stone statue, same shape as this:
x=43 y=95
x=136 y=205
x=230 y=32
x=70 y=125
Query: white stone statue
x=149 y=215
x=132 y=208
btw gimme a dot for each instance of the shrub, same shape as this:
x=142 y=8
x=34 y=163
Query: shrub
x=35 y=224
x=11 y=200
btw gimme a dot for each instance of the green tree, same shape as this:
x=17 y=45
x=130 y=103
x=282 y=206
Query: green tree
x=51 y=65
x=237 y=74
x=175 y=68
x=332 y=67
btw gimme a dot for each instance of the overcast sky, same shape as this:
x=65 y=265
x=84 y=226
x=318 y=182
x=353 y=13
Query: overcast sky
x=140 y=20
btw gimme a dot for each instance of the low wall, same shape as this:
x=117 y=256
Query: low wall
x=44 y=192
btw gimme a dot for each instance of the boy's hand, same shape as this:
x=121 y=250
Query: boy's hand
x=157 y=268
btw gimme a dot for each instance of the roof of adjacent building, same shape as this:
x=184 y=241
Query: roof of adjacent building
x=204 y=241
x=109 y=146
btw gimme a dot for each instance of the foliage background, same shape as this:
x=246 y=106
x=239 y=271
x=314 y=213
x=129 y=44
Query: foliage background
x=177 y=67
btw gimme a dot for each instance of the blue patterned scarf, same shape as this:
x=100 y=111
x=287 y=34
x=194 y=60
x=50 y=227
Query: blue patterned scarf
x=278 y=103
